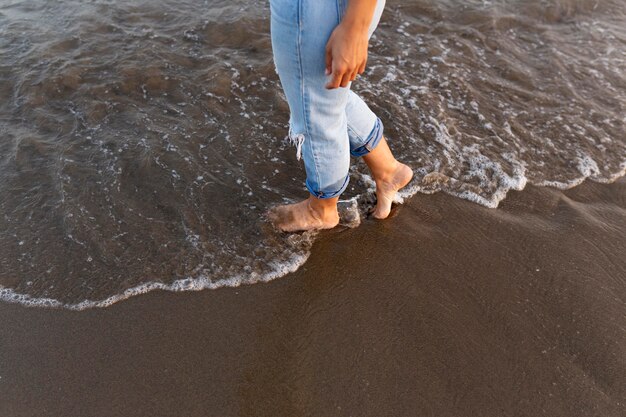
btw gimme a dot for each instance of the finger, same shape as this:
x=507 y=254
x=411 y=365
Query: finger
x=335 y=80
x=361 y=68
x=345 y=80
x=329 y=61
x=338 y=72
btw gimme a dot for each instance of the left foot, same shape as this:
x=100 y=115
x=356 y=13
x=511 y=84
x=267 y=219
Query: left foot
x=305 y=215
x=389 y=175
x=386 y=188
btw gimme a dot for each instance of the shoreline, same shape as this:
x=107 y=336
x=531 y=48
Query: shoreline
x=7 y=295
x=447 y=308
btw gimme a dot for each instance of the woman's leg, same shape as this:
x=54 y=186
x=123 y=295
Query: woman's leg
x=300 y=30
x=365 y=131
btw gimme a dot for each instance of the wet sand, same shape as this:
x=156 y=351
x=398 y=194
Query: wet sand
x=447 y=309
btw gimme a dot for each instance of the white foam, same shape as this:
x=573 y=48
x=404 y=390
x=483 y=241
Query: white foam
x=186 y=284
x=434 y=182
x=349 y=213
x=565 y=185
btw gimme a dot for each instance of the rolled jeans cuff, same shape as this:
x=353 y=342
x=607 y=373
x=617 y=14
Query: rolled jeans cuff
x=372 y=140
x=325 y=194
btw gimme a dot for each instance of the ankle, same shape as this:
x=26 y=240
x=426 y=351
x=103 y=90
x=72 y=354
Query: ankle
x=388 y=173
x=323 y=209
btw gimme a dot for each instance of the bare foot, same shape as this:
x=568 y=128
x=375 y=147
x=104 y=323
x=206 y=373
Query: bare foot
x=386 y=188
x=309 y=214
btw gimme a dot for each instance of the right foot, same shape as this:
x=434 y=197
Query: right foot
x=302 y=216
x=387 y=187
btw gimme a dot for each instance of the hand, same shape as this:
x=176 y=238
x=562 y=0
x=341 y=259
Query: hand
x=346 y=55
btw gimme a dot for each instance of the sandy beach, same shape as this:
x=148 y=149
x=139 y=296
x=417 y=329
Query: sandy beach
x=446 y=309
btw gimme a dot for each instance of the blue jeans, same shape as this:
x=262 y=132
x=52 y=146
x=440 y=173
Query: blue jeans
x=326 y=125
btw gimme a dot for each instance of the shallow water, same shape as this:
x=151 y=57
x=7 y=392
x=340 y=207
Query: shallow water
x=143 y=141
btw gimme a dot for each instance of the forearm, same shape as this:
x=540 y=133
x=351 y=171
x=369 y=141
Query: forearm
x=359 y=14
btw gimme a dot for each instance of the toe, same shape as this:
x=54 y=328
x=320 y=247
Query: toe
x=381 y=213
x=277 y=216
x=272 y=214
x=383 y=207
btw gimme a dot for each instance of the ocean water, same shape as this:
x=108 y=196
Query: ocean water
x=141 y=142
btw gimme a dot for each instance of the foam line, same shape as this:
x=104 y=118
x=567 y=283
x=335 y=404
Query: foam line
x=185 y=284
x=518 y=181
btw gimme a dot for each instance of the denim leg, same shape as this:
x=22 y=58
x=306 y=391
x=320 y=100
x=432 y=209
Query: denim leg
x=318 y=121
x=365 y=129
x=300 y=30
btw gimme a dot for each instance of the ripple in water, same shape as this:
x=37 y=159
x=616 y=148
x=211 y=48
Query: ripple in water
x=143 y=141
